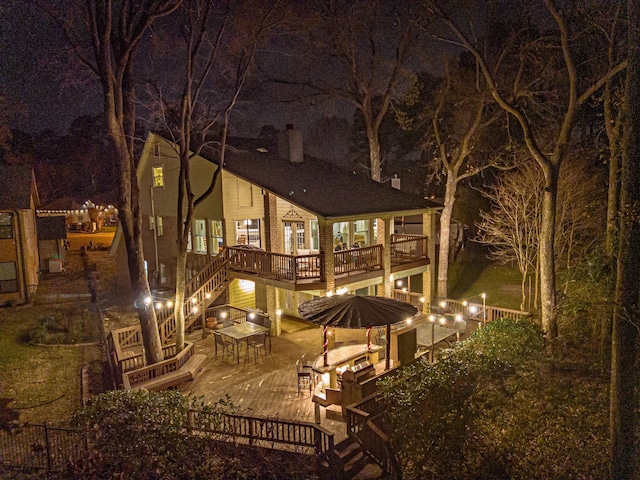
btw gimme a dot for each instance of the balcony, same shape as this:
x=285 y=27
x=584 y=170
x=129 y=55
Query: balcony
x=307 y=271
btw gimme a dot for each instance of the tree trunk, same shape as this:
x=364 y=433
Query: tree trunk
x=374 y=154
x=181 y=268
x=445 y=235
x=547 y=264
x=624 y=348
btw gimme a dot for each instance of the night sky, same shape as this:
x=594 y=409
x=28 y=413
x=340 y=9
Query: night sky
x=30 y=59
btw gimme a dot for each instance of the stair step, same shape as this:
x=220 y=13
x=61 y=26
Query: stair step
x=370 y=471
x=348 y=452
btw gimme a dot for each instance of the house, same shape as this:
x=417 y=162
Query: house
x=52 y=235
x=19 y=260
x=292 y=226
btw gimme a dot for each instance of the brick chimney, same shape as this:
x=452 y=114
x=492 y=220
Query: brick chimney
x=290 y=145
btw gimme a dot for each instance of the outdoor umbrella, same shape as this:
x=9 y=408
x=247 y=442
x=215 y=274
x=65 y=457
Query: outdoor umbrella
x=355 y=311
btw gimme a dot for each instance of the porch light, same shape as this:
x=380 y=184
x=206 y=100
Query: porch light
x=194 y=310
x=147 y=301
x=432 y=318
x=473 y=309
x=169 y=304
x=194 y=300
x=278 y=312
x=252 y=315
x=408 y=321
x=330 y=293
x=443 y=320
x=422 y=299
x=207 y=295
x=223 y=314
x=443 y=304
x=465 y=303
x=404 y=289
x=399 y=283
x=158 y=305
x=458 y=318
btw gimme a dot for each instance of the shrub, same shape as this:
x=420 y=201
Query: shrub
x=493 y=408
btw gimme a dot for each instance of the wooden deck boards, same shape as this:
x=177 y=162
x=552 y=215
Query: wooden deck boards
x=267 y=387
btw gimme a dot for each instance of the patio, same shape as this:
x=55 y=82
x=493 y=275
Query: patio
x=268 y=387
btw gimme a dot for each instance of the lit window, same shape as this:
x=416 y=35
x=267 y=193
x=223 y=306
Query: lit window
x=158 y=176
x=216 y=236
x=163 y=274
x=200 y=236
x=8 y=277
x=159 y=227
x=6 y=225
x=151 y=222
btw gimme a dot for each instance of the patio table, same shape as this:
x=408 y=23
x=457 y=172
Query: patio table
x=424 y=338
x=240 y=331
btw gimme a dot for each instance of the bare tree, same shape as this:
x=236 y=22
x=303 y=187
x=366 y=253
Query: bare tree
x=624 y=349
x=115 y=31
x=221 y=41
x=456 y=125
x=521 y=100
x=362 y=49
x=512 y=228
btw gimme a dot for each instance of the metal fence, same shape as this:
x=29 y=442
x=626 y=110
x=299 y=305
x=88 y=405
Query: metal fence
x=41 y=447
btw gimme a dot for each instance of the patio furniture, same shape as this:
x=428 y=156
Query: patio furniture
x=224 y=344
x=304 y=378
x=240 y=331
x=257 y=342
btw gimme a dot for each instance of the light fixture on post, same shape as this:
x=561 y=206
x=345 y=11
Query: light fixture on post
x=484 y=309
x=432 y=319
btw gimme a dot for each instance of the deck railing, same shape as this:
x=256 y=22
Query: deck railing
x=171 y=363
x=263 y=430
x=408 y=248
x=478 y=312
x=347 y=262
x=415 y=299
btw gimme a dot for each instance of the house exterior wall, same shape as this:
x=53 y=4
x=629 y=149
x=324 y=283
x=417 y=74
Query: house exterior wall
x=22 y=249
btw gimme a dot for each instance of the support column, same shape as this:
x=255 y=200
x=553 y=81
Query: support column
x=384 y=238
x=272 y=308
x=326 y=250
x=271 y=223
x=429 y=280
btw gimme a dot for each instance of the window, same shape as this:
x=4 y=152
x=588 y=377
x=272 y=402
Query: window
x=361 y=232
x=158 y=176
x=6 y=225
x=341 y=235
x=163 y=274
x=315 y=235
x=151 y=222
x=8 y=277
x=248 y=232
x=300 y=235
x=159 y=227
x=156 y=150
x=216 y=236
x=200 y=236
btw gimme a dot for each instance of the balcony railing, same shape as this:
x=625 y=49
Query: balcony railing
x=290 y=268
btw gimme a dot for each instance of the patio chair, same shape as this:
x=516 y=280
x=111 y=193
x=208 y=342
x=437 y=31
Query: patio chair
x=224 y=344
x=257 y=342
x=304 y=378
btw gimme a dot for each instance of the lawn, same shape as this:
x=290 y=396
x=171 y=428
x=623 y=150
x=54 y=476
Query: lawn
x=43 y=383
x=473 y=274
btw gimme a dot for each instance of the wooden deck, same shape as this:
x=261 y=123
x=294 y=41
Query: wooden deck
x=269 y=387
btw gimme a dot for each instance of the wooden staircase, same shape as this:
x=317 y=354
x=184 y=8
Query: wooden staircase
x=201 y=291
x=349 y=460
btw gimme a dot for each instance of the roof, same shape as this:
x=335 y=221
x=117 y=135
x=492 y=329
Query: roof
x=51 y=228
x=315 y=185
x=16 y=186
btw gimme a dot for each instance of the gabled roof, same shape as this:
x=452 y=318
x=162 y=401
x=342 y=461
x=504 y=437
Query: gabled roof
x=17 y=185
x=315 y=185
